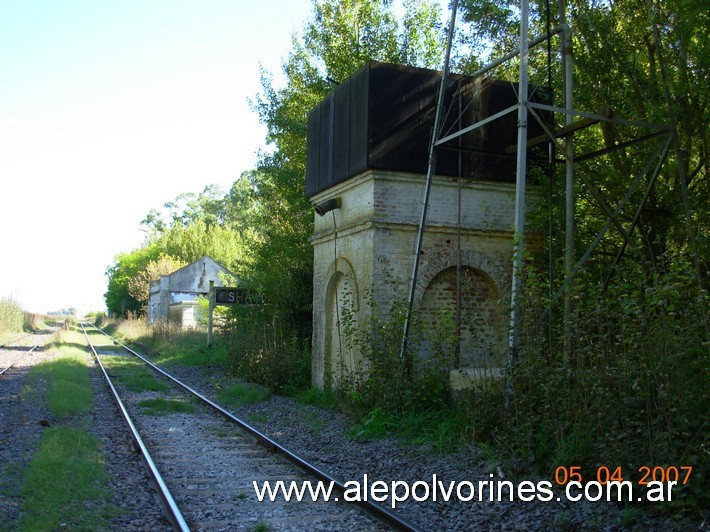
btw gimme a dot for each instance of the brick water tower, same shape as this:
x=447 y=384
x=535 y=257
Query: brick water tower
x=367 y=162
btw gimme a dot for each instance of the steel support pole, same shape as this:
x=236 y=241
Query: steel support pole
x=521 y=167
x=568 y=86
x=427 y=187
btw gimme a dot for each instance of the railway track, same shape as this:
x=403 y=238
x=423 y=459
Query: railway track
x=16 y=340
x=204 y=462
x=11 y=354
x=24 y=352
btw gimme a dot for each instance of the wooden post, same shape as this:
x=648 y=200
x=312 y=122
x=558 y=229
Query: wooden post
x=209 y=318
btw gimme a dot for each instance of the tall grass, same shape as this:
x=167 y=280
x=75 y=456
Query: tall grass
x=168 y=342
x=14 y=320
x=265 y=349
x=11 y=316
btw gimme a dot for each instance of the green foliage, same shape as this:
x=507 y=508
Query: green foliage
x=339 y=38
x=211 y=223
x=264 y=348
x=139 y=284
x=389 y=381
x=126 y=266
x=222 y=226
x=324 y=398
x=391 y=396
x=99 y=318
x=376 y=424
x=440 y=429
x=633 y=392
x=630 y=389
x=240 y=394
x=634 y=73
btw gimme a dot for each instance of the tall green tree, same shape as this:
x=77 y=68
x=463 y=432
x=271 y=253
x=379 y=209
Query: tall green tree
x=340 y=36
x=212 y=223
x=139 y=284
x=634 y=74
x=126 y=265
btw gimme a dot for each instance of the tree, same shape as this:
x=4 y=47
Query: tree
x=340 y=37
x=624 y=73
x=210 y=223
x=640 y=352
x=119 y=300
x=139 y=284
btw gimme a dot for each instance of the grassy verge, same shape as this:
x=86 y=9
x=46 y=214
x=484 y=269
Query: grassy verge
x=242 y=393
x=66 y=484
x=168 y=344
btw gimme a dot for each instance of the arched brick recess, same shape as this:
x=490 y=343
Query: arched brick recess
x=342 y=265
x=470 y=259
x=482 y=318
x=341 y=303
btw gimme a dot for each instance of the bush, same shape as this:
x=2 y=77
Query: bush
x=265 y=349
x=388 y=382
x=634 y=390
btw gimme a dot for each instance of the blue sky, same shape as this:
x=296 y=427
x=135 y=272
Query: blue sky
x=111 y=108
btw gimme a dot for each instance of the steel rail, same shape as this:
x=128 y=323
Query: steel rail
x=18 y=359
x=15 y=340
x=382 y=513
x=171 y=508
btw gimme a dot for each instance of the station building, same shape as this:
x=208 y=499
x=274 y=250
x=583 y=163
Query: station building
x=174 y=297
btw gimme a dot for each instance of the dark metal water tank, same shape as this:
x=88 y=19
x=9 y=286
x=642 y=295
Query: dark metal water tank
x=382 y=116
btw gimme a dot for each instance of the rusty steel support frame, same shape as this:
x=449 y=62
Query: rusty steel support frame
x=568 y=87
x=524 y=109
x=516 y=291
x=431 y=167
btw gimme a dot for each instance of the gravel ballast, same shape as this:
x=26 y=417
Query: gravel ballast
x=323 y=438
x=318 y=435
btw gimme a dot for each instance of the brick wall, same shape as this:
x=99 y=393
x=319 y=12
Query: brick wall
x=364 y=254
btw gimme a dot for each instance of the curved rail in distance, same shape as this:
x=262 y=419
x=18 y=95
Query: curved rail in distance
x=382 y=513
x=28 y=353
x=171 y=508
x=15 y=340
